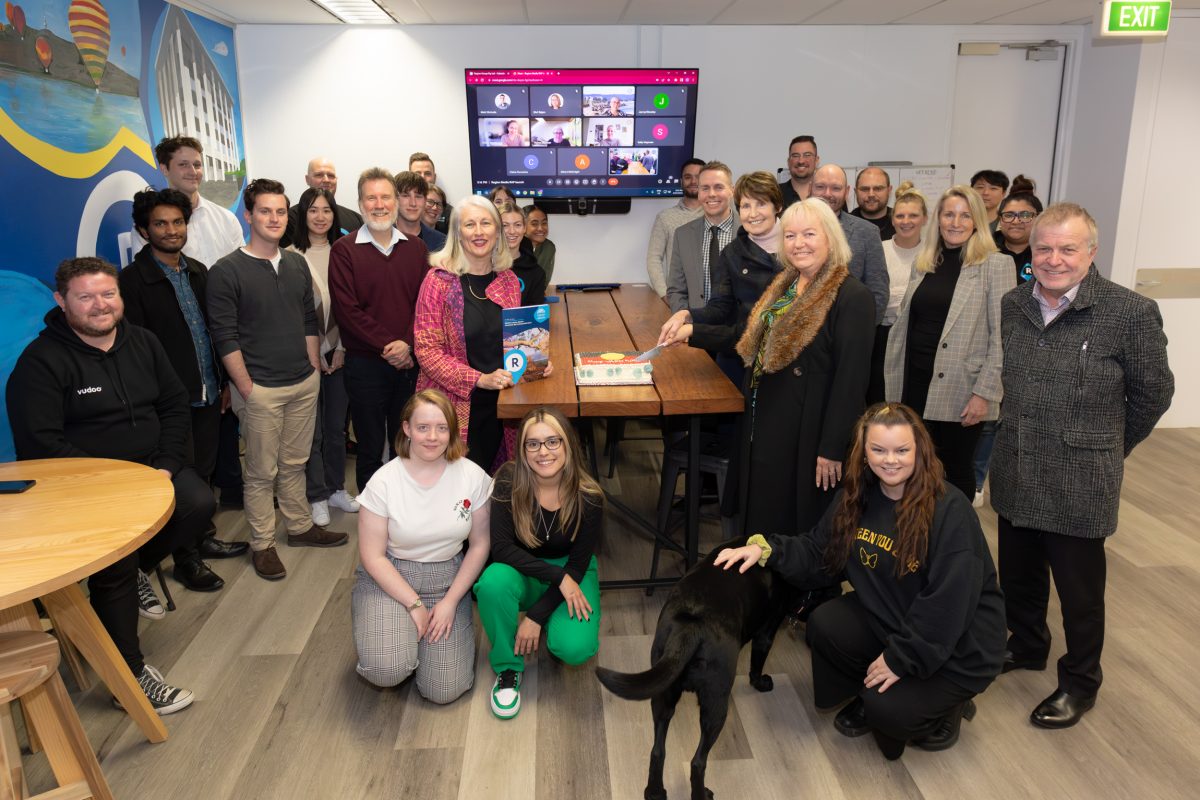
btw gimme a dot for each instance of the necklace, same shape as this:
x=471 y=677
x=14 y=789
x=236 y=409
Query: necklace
x=542 y=526
x=471 y=289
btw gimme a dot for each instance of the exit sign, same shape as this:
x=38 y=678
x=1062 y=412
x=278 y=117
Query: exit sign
x=1130 y=18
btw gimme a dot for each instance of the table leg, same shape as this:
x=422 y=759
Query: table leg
x=12 y=774
x=81 y=625
x=692 y=534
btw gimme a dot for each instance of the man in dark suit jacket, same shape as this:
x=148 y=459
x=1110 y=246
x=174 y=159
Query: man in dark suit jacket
x=164 y=292
x=1085 y=379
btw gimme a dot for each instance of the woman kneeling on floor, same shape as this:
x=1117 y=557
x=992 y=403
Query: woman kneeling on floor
x=410 y=606
x=923 y=631
x=546 y=514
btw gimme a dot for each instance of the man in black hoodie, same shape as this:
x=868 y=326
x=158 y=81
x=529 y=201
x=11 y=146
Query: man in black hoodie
x=91 y=385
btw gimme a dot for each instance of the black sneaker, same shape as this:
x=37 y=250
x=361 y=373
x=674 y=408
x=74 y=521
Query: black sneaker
x=149 y=606
x=164 y=698
x=506 y=694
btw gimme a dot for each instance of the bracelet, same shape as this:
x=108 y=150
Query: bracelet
x=761 y=541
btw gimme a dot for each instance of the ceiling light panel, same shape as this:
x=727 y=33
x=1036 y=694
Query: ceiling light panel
x=357 y=12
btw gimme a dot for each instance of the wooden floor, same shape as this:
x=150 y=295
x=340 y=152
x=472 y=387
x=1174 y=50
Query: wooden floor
x=281 y=714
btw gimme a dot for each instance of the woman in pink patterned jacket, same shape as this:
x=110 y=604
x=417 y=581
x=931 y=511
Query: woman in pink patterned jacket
x=458 y=332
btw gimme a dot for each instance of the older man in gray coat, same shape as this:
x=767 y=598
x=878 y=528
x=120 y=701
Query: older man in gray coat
x=1085 y=379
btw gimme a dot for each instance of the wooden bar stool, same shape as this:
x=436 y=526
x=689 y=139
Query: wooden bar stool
x=29 y=671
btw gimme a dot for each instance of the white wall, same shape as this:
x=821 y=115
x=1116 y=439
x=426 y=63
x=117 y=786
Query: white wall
x=366 y=96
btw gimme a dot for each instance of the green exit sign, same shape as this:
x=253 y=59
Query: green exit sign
x=1129 y=18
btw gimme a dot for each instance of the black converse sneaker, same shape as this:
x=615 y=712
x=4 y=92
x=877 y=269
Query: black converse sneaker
x=164 y=698
x=506 y=694
x=149 y=605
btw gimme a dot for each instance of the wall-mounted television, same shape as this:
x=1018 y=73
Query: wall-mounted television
x=575 y=133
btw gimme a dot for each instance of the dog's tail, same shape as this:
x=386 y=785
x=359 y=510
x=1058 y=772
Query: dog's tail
x=644 y=685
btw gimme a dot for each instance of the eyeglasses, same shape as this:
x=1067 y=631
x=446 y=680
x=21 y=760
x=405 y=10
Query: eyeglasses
x=1014 y=216
x=551 y=442
x=433 y=203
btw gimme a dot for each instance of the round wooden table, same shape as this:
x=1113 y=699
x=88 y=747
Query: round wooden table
x=82 y=515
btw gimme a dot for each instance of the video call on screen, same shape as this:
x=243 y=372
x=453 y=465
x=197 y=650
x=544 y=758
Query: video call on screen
x=542 y=137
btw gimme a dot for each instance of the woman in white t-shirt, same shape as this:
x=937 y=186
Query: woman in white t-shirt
x=410 y=606
x=909 y=215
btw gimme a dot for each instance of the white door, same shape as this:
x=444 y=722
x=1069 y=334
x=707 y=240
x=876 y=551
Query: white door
x=1006 y=112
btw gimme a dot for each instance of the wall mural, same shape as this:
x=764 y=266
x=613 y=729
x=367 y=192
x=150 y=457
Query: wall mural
x=87 y=87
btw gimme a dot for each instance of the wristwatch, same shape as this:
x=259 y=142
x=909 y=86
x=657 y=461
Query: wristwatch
x=416 y=604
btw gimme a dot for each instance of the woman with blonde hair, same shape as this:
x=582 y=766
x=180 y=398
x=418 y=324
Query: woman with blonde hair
x=547 y=512
x=410 y=605
x=525 y=265
x=807 y=353
x=909 y=215
x=923 y=631
x=457 y=331
x=944 y=352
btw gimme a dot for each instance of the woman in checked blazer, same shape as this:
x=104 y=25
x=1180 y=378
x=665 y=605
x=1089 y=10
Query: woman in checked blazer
x=944 y=353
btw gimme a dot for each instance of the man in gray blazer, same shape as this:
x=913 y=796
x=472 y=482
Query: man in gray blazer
x=866 y=248
x=696 y=244
x=1085 y=379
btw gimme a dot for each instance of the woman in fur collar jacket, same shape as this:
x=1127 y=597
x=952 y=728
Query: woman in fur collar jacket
x=807 y=351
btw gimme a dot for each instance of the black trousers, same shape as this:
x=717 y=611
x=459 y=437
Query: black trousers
x=228 y=471
x=955 y=445
x=1028 y=557
x=113 y=589
x=377 y=392
x=205 y=439
x=875 y=387
x=843 y=647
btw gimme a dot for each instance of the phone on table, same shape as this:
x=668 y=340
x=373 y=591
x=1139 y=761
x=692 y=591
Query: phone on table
x=15 y=487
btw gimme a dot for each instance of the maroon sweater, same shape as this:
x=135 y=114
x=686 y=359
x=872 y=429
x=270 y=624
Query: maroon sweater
x=374 y=295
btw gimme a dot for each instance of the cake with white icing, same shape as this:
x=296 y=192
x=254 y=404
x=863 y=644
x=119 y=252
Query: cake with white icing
x=612 y=369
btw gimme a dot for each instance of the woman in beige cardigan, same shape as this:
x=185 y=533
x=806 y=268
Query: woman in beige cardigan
x=944 y=353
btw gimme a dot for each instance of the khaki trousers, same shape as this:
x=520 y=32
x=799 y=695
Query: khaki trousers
x=277 y=425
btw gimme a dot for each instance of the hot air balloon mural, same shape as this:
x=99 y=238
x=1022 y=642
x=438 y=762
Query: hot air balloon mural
x=44 y=53
x=88 y=22
x=16 y=17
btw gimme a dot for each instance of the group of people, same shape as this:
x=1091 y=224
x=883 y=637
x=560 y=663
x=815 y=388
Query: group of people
x=986 y=308
x=324 y=317
x=983 y=315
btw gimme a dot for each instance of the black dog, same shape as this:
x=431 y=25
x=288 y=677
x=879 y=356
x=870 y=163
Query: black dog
x=707 y=618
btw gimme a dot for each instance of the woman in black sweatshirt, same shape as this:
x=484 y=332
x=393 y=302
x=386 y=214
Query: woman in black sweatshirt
x=923 y=631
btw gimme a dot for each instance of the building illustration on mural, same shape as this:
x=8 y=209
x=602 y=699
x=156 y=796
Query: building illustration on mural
x=193 y=99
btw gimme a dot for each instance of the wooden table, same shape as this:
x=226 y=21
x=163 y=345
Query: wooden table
x=686 y=382
x=83 y=515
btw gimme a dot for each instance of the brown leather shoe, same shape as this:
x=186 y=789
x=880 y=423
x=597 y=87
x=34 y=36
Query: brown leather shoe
x=268 y=565
x=316 y=536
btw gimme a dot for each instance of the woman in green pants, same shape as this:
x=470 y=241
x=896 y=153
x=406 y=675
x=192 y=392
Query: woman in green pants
x=545 y=520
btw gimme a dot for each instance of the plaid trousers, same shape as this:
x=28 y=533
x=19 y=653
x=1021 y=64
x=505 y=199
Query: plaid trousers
x=389 y=650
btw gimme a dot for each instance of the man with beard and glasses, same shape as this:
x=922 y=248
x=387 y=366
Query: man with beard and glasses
x=93 y=385
x=658 y=253
x=802 y=163
x=264 y=324
x=374 y=277
x=166 y=293
x=872 y=188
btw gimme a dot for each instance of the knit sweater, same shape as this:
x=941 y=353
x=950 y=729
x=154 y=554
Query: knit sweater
x=375 y=295
x=265 y=314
